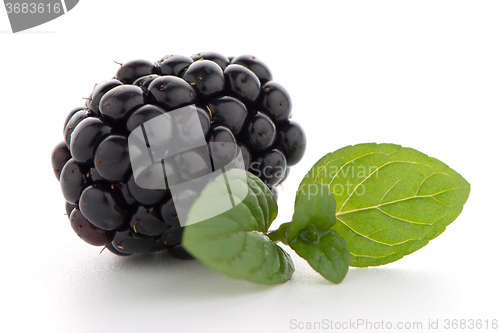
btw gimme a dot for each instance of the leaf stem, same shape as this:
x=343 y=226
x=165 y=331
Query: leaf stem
x=280 y=234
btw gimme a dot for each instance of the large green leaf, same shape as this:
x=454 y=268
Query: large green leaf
x=234 y=242
x=390 y=200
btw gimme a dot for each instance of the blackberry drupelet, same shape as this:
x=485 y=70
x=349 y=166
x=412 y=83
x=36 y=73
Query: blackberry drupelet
x=237 y=102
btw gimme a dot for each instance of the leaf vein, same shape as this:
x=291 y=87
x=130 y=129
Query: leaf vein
x=401 y=219
x=399 y=200
x=370 y=153
x=376 y=170
x=390 y=188
x=360 y=234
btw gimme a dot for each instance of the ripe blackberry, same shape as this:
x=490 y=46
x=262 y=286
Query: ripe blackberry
x=238 y=105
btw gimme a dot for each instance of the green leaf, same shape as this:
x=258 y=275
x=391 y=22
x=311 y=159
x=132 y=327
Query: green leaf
x=310 y=234
x=234 y=243
x=390 y=200
x=329 y=255
x=314 y=208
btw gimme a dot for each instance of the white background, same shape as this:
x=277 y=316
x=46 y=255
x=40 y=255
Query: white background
x=423 y=74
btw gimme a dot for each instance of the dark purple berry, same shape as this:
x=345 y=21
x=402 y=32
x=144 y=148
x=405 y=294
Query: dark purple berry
x=229 y=112
x=242 y=82
x=112 y=159
x=60 y=155
x=99 y=91
x=205 y=120
x=246 y=155
x=117 y=104
x=145 y=196
x=123 y=194
x=144 y=81
x=218 y=58
x=86 y=137
x=115 y=251
x=99 y=206
x=158 y=245
x=171 y=92
x=142 y=115
x=172 y=236
x=272 y=167
x=206 y=77
x=169 y=214
x=173 y=64
x=255 y=65
x=132 y=70
x=72 y=181
x=145 y=222
x=261 y=132
x=275 y=102
x=128 y=242
x=68 y=117
x=223 y=147
x=72 y=123
x=93 y=177
x=69 y=208
x=292 y=140
x=87 y=231
x=193 y=163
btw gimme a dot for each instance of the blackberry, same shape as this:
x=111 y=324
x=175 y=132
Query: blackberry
x=239 y=107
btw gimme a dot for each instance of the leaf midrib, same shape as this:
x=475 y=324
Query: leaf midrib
x=400 y=200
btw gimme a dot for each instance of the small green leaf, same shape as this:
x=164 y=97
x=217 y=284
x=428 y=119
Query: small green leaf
x=234 y=243
x=310 y=234
x=314 y=207
x=329 y=255
x=391 y=201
